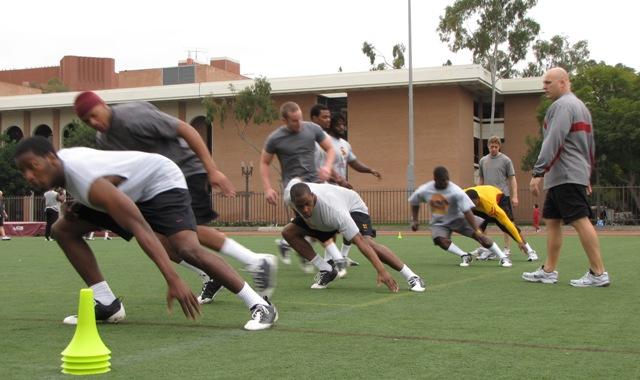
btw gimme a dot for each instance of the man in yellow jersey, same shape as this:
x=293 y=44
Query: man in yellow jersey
x=486 y=200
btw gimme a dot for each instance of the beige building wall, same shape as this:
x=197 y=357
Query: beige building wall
x=9 y=89
x=520 y=121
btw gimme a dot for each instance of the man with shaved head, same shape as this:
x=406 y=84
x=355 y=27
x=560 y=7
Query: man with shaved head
x=565 y=161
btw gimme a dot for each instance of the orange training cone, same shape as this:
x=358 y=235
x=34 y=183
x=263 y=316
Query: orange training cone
x=86 y=354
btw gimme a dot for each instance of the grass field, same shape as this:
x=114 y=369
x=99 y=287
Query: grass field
x=476 y=322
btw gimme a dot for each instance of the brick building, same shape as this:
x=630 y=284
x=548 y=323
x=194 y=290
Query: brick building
x=92 y=73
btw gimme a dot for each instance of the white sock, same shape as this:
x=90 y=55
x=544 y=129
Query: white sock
x=495 y=249
x=203 y=276
x=239 y=252
x=250 y=297
x=102 y=293
x=332 y=253
x=456 y=250
x=321 y=264
x=345 y=250
x=407 y=272
x=528 y=247
x=90 y=235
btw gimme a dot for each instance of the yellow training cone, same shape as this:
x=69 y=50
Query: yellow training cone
x=399 y=235
x=86 y=354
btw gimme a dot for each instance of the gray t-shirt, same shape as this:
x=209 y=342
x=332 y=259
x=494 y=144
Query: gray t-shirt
x=143 y=127
x=456 y=201
x=495 y=171
x=296 y=151
x=333 y=208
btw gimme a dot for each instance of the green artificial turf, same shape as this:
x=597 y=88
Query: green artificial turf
x=477 y=322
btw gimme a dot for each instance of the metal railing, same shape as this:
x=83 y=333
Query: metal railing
x=621 y=205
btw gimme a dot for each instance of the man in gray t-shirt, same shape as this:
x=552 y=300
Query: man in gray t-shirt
x=496 y=169
x=294 y=145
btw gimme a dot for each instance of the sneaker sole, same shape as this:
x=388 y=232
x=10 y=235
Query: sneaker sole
x=540 y=281
x=264 y=326
x=273 y=273
x=589 y=286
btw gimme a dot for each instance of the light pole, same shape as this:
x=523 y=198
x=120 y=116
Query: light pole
x=410 y=166
x=247 y=171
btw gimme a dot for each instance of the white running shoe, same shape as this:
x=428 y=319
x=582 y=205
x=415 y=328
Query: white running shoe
x=416 y=284
x=533 y=256
x=262 y=317
x=591 y=280
x=466 y=260
x=540 y=275
x=506 y=263
x=485 y=254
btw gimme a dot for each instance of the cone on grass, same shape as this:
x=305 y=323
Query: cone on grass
x=399 y=235
x=86 y=354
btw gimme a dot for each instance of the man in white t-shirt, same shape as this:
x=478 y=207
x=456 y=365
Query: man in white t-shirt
x=451 y=211
x=133 y=194
x=322 y=211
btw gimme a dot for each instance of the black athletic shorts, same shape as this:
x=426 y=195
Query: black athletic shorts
x=201 y=201
x=167 y=213
x=505 y=205
x=567 y=202
x=362 y=220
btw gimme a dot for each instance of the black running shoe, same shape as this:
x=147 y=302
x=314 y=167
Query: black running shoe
x=324 y=277
x=112 y=313
x=209 y=291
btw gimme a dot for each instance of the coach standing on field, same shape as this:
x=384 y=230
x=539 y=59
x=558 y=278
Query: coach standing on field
x=565 y=161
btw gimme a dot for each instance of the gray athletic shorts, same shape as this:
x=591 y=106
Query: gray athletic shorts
x=459 y=225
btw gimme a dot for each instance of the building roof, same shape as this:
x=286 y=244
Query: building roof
x=472 y=77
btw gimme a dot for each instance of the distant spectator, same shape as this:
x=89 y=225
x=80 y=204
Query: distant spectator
x=3 y=216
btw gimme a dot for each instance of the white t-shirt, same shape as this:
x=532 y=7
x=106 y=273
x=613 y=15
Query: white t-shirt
x=333 y=208
x=344 y=155
x=457 y=202
x=51 y=200
x=146 y=174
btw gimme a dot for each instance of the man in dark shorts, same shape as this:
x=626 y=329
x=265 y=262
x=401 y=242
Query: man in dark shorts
x=131 y=193
x=566 y=161
x=143 y=127
x=324 y=210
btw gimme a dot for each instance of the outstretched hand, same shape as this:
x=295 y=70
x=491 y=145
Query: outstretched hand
x=188 y=301
x=385 y=278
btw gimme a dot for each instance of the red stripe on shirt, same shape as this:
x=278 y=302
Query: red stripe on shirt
x=580 y=127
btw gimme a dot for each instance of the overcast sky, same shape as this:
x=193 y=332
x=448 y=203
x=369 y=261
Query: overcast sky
x=278 y=38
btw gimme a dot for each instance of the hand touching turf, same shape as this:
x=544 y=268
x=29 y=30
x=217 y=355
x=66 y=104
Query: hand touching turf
x=189 y=303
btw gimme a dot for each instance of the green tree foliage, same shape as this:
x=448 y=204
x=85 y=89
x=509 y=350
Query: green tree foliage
x=79 y=134
x=497 y=32
x=54 y=85
x=373 y=54
x=612 y=94
x=251 y=105
x=558 y=52
x=11 y=180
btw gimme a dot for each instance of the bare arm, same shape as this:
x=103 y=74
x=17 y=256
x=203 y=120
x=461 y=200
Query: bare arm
x=122 y=209
x=216 y=177
x=269 y=193
x=415 y=223
x=362 y=168
x=370 y=254
x=325 y=172
x=513 y=186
